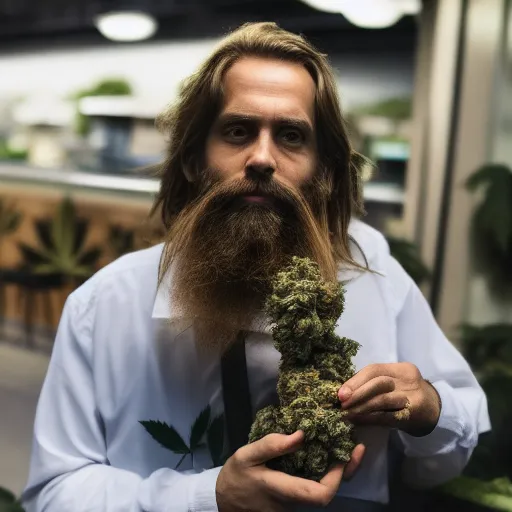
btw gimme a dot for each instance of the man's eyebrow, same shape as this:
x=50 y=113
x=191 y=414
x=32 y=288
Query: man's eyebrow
x=297 y=122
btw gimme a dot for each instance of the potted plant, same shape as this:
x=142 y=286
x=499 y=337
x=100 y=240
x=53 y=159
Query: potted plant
x=488 y=348
x=107 y=87
x=9 y=153
x=406 y=253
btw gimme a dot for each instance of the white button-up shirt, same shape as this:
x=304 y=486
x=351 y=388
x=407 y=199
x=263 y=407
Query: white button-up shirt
x=122 y=354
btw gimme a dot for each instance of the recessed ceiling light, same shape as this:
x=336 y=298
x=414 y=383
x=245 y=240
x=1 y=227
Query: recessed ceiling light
x=126 y=26
x=369 y=13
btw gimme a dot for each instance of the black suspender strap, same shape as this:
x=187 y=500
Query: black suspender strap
x=236 y=394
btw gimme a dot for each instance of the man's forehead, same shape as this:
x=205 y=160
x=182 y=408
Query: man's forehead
x=269 y=87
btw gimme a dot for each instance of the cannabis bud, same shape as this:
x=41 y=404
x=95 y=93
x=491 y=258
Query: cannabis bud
x=315 y=362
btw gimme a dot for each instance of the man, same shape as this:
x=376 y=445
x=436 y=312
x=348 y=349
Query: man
x=259 y=169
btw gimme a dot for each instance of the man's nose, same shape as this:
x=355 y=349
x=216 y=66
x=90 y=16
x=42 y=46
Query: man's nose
x=261 y=163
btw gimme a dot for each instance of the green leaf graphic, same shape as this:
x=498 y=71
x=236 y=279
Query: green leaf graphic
x=199 y=428
x=216 y=440
x=179 y=462
x=166 y=435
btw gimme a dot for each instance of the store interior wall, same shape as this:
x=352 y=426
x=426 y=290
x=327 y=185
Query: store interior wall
x=155 y=69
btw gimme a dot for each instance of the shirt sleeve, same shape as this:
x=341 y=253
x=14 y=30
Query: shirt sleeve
x=69 y=469
x=442 y=454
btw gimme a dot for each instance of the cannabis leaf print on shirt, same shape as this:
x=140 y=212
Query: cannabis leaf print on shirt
x=205 y=431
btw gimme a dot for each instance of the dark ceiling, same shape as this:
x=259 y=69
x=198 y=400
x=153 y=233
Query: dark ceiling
x=24 y=23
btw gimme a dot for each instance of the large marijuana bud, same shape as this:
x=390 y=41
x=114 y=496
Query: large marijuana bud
x=315 y=362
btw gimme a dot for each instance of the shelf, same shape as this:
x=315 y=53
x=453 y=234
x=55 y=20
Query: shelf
x=384 y=193
x=390 y=150
x=67 y=177
x=374 y=192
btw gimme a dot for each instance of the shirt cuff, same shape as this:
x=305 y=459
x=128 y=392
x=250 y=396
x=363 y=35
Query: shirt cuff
x=203 y=497
x=449 y=431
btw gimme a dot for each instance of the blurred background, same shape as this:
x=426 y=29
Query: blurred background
x=426 y=88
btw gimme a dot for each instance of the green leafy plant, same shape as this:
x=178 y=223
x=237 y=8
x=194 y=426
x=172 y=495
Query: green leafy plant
x=205 y=431
x=491 y=227
x=407 y=254
x=392 y=108
x=496 y=494
x=107 y=87
x=61 y=248
x=9 y=153
x=488 y=350
x=8 y=502
x=486 y=480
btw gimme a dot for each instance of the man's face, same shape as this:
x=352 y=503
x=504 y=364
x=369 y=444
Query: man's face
x=253 y=212
x=266 y=127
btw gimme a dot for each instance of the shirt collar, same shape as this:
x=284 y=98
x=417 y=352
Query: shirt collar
x=363 y=251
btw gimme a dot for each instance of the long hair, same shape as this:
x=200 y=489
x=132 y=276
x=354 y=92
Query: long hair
x=188 y=122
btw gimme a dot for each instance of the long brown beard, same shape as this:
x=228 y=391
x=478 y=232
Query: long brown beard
x=224 y=251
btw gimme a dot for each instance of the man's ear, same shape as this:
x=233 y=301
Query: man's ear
x=191 y=170
x=190 y=174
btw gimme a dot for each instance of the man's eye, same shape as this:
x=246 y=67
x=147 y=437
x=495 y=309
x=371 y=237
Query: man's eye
x=235 y=133
x=292 y=137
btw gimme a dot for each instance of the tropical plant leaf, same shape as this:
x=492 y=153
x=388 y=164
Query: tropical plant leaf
x=80 y=272
x=486 y=174
x=12 y=222
x=44 y=233
x=216 y=440
x=495 y=495
x=80 y=229
x=199 y=427
x=166 y=435
x=491 y=227
x=90 y=257
x=488 y=349
x=30 y=256
x=10 y=218
x=44 y=268
x=122 y=241
x=487 y=345
x=63 y=228
x=406 y=253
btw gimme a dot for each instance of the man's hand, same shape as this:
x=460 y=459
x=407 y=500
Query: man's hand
x=395 y=395
x=246 y=484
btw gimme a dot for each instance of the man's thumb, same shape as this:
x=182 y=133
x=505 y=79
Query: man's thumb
x=270 y=447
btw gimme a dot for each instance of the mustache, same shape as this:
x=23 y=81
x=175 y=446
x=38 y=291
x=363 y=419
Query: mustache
x=220 y=193
x=218 y=204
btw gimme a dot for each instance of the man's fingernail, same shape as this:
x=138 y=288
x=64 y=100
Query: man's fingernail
x=344 y=393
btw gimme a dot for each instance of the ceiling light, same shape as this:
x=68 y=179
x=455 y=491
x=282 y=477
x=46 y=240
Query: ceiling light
x=369 y=13
x=126 y=25
x=324 y=5
x=411 y=7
